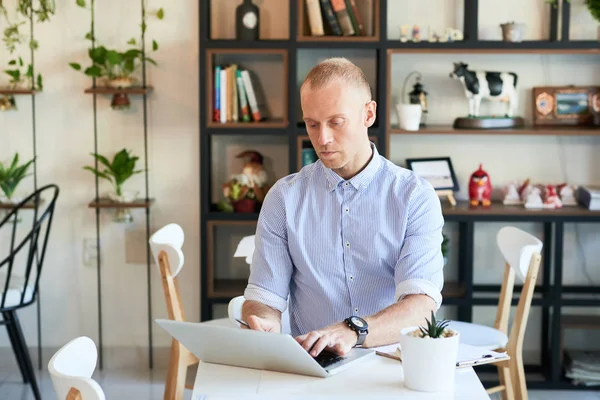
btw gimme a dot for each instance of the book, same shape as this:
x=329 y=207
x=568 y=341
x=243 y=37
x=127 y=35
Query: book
x=217 y=95
x=365 y=10
x=341 y=12
x=244 y=111
x=315 y=19
x=330 y=18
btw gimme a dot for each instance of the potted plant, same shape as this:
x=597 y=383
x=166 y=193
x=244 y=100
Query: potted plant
x=10 y=176
x=118 y=68
x=445 y=248
x=429 y=351
x=21 y=76
x=117 y=172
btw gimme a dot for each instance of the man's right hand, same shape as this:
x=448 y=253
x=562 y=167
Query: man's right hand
x=262 y=324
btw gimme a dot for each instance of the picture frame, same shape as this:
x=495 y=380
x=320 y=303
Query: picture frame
x=436 y=170
x=566 y=106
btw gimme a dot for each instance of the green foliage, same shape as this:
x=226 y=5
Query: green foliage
x=594 y=8
x=12 y=37
x=11 y=175
x=435 y=329
x=112 y=64
x=118 y=171
x=445 y=245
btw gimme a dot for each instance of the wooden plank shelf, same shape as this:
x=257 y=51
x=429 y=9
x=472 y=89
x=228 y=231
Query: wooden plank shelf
x=580 y=321
x=496 y=47
x=15 y=92
x=111 y=90
x=218 y=44
x=538 y=131
x=29 y=206
x=108 y=203
x=275 y=123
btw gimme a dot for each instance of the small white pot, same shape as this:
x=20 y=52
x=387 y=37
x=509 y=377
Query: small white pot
x=409 y=116
x=429 y=365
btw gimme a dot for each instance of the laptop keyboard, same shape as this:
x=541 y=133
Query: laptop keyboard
x=325 y=359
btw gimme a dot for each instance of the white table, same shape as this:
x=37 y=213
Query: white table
x=378 y=377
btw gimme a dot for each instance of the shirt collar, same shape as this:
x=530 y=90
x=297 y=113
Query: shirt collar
x=359 y=181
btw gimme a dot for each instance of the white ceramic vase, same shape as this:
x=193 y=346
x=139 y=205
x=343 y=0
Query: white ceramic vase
x=429 y=365
x=409 y=116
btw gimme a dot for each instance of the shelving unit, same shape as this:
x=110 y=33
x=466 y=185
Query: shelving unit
x=295 y=48
x=102 y=204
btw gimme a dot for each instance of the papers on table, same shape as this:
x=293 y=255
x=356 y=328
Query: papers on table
x=245 y=248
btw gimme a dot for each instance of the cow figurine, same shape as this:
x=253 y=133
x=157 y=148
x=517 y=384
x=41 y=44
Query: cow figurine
x=490 y=85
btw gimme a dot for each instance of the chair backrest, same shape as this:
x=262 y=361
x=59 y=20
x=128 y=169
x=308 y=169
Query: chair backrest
x=166 y=248
x=522 y=255
x=71 y=369
x=27 y=247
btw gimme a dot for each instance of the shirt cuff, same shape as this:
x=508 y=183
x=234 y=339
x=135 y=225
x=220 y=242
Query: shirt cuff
x=261 y=295
x=419 y=286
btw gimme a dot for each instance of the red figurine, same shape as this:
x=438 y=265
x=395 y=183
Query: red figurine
x=480 y=188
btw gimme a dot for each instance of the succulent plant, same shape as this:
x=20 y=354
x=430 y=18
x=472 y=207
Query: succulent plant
x=435 y=329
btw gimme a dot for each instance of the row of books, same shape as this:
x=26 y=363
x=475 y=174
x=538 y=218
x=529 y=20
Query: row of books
x=341 y=17
x=235 y=96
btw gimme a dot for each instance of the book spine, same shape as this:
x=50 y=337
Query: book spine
x=315 y=19
x=365 y=10
x=234 y=94
x=223 y=96
x=339 y=7
x=217 y=95
x=355 y=17
x=330 y=17
x=251 y=96
x=244 y=111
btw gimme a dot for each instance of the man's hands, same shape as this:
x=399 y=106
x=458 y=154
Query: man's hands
x=337 y=338
x=262 y=324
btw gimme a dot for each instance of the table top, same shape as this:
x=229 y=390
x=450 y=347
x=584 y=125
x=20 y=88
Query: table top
x=377 y=377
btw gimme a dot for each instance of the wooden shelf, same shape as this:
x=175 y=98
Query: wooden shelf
x=580 y=321
x=276 y=123
x=108 y=203
x=238 y=45
x=228 y=288
x=15 y=92
x=453 y=290
x=28 y=206
x=496 y=47
x=540 y=131
x=110 y=90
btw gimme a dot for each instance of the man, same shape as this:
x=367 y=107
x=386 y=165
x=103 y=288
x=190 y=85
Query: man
x=349 y=235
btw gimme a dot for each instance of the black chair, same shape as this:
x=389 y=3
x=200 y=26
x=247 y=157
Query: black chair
x=27 y=249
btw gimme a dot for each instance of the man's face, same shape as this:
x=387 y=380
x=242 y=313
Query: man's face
x=337 y=117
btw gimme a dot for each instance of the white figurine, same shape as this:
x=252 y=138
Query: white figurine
x=511 y=195
x=567 y=195
x=534 y=198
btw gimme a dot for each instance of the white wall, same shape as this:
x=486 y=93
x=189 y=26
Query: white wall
x=65 y=139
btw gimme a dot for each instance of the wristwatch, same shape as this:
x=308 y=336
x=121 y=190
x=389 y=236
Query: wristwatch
x=360 y=326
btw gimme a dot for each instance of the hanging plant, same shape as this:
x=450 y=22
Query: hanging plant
x=594 y=8
x=117 y=68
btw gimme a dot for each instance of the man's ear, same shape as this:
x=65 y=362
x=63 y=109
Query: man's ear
x=370 y=113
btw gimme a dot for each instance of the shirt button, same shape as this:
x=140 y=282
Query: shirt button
x=347 y=209
x=346 y=184
x=347 y=244
x=356 y=310
x=351 y=278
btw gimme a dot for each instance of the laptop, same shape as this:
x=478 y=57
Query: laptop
x=258 y=350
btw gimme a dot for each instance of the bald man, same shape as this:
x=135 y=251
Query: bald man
x=351 y=243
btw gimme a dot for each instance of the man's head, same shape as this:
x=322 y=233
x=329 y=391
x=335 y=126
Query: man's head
x=338 y=110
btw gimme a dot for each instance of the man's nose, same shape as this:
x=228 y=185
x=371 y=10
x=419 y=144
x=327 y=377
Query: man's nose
x=325 y=136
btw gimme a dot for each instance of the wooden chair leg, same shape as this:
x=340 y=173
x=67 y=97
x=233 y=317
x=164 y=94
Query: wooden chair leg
x=506 y=380
x=175 y=385
x=517 y=374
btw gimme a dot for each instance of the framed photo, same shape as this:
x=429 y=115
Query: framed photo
x=566 y=106
x=438 y=171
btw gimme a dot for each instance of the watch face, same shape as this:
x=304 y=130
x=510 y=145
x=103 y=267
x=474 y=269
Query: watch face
x=249 y=20
x=358 y=322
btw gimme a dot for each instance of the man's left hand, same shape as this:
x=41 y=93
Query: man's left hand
x=338 y=339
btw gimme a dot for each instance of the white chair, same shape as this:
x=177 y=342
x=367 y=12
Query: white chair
x=166 y=246
x=71 y=368
x=522 y=255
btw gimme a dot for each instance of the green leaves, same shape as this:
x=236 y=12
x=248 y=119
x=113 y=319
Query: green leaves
x=435 y=329
x=118 y=171
x=11 y=175
x=80 y=3
x=154 y=45
x=160 y=14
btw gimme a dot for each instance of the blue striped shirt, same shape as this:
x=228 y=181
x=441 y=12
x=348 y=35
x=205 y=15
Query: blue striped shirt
x=346 y=247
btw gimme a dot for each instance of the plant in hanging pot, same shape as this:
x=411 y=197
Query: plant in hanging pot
x=428 y=351
x=117 y=172
x=445 y=249
x=115 y=68
x=10 y=176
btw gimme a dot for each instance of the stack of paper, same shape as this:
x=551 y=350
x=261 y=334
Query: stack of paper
x=583 y=367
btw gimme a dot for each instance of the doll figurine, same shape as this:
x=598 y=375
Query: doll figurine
x=480 y=188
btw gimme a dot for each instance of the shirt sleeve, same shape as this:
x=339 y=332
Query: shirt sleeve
x=271 y=268
x=420 y=267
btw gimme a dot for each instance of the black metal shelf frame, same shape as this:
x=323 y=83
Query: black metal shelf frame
x=549 y=296
x=144 y=96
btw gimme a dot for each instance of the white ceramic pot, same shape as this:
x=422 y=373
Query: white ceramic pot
x=429 y=365
x=409 y=116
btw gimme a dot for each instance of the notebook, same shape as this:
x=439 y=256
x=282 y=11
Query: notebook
x=468 y=356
